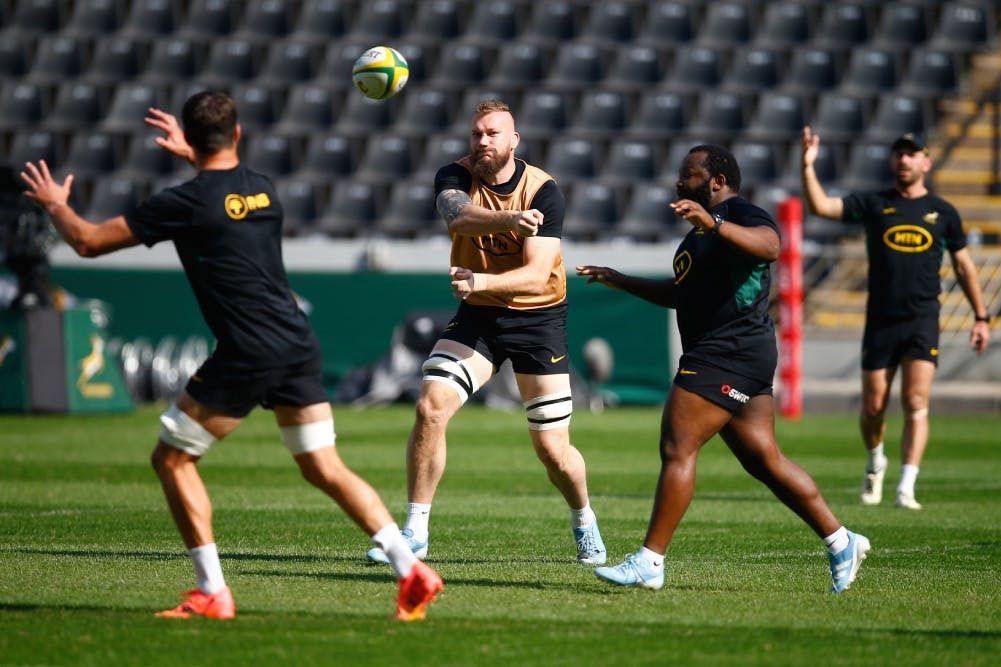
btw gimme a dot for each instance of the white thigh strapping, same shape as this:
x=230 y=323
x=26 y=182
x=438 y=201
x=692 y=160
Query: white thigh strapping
x=549 y=411
x=303 y=438
x=449 y=369
x=182 y=432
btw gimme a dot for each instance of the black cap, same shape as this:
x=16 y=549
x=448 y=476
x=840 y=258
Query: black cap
x=912 y=141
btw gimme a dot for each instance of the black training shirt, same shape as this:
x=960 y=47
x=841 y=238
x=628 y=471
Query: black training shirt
x=721 y=297
x=227 y=227
x=905 y=241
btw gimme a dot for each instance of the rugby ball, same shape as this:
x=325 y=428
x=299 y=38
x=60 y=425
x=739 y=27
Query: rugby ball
x=380 y=72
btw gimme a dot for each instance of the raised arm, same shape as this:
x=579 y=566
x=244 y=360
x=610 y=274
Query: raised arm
x=659 y=292
x=86 y=238
x=816 y=197
x=174 y=141
x=465 y=218
x=530 y=278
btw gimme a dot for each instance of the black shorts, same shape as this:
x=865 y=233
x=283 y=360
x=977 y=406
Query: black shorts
x=235 y=390
x=534 y=340
x=887 y=341
x=724 y=388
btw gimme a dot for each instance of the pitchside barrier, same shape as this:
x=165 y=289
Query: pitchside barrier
x=354 y=315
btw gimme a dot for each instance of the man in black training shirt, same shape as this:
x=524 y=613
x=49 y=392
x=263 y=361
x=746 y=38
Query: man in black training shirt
x=226 y=224
x=907 y=231
x=724 y=379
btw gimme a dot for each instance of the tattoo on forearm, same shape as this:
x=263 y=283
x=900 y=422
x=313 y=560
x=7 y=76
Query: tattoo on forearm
x=450 y=203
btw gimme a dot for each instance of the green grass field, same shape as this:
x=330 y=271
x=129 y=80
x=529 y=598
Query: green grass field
x=88 y=552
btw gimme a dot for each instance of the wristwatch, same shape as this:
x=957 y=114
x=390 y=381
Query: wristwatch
x=718 y=219
x=985 y=318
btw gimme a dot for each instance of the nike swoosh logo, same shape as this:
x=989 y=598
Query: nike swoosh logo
x=554 y=360
x=195 y=378
x=685 y=371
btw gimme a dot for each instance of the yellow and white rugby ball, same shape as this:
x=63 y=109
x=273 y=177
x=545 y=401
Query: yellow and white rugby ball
x=380 y=72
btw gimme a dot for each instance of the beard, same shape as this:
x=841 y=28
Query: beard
x=486 y=165
x=699 y=195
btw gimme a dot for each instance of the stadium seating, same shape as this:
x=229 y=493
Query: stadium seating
x=628 y=85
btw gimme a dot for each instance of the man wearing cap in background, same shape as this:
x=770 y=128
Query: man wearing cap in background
x=907 y=230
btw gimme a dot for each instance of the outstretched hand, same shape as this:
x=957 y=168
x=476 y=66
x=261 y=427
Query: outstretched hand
x=811 y=147
x=43 y=188
x=600 y=274
x=174 y=141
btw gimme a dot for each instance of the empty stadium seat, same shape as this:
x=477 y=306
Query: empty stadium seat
x=309 y=108
x=695 y=68
x=844 y=24
x=94 y=18
x=271 y=154
x=257 y=105
x=868 y=167
x=22 y=104
x=115 y=59
x=15 y=56
x=521 y=63
x=786 y=23
x=839 y=116
x=964 y=26
x=592 y=211
x=93 y=153
x=601 y=113
x=461 y=63
x=288 y=62
x=495 y=21
x=896 y=115
x=647 y=217
x=629 y=161
x=230 y=61
x=437 y=21
x=267 y=19
x=426 y=111
x=323 y=21
x=300 y=205
x=726 y=22
x=554 y=22
x=352 y=209
x=578 y=66
x=360 y=114
x=572 y=158
x=327 y=156
x=146 y=157
x=129 y=105
x=901 y=25
x=410 y=212
x=36 y=145
x=78 y=104
x=58 y=57
x=154 y=18
x=388 y=158
x=779 y=117
x=113 y=196
x=753 y=69
x=661 y=114
x=442 y=150
x=382 y=20
x=612 y=21
x=210 y=18
x=638 y=67
x=931 y=73
x=172 y=59
x=38 y=16
x=872 y=71
x=760 y=162
x=812 y=69
x=721 y=115
x=669 y=22
x=542 y=113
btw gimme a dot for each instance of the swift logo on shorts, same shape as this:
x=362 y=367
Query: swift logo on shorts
x=735 y=394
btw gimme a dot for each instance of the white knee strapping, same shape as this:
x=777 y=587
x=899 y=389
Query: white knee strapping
x=303 y=438
x=920 y=413
x=447 y=368
x=182 y=432
x=549 y=411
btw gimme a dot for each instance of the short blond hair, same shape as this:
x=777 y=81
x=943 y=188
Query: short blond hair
x=491 y=106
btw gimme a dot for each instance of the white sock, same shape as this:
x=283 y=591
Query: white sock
x=877 y=460
x=908 y=475
x=418 y=516
x=837 y=541
x=400 y=556
x=207 y=568
x=656 y=559
x=582 y=517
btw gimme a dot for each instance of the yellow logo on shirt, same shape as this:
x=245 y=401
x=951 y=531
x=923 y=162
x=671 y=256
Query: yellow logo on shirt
x=682 y=264
x=907 y=238
x=931 y=217
x=238 y=206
